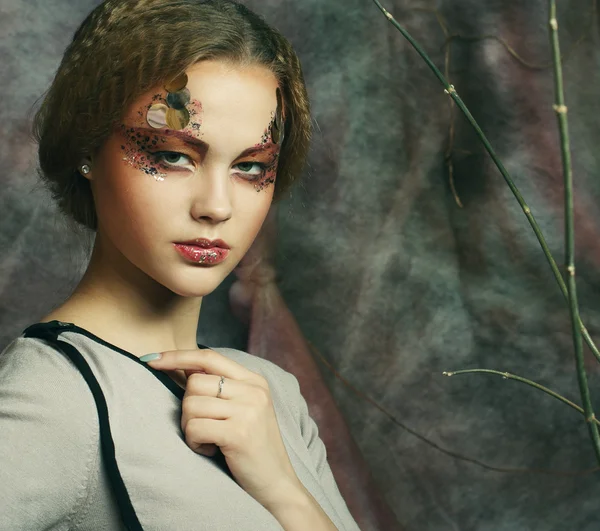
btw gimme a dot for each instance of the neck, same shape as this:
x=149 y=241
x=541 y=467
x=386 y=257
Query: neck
x=124 y=306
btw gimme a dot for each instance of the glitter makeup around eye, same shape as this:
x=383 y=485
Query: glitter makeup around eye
x=194 y=107
x=273 y=134
x=137 y=147
x=270 y=173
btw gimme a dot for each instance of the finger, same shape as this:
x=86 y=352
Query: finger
x=205 y=407
x=207 y=385
x=202 y=431
x=189 y=372
x=206 y=359
x=207 y=449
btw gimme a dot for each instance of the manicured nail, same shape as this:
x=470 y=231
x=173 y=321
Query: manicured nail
x=151 y=357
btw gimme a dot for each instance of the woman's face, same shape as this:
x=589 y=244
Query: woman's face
x=155 y=183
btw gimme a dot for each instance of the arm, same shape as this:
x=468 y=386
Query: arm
x=301 y=501
x=47 y=438
x=300 y=511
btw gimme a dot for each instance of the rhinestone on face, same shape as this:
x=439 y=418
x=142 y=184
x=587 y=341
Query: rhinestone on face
x=178 y=100
x=278 y=125
x=178 y=83
x=157 y=116
x=177 y=118
x=275 y=133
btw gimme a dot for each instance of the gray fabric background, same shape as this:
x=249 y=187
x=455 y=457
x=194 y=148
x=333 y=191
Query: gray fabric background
x=386 y=275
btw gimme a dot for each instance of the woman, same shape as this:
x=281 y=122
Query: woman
x=169 y=129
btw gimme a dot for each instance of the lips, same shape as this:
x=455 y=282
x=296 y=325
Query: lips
x=206 y=244
x=203 y=255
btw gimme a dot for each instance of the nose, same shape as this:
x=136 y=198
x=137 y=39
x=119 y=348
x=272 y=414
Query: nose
x=212 y=196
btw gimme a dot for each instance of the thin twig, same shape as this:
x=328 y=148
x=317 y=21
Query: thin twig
x=509 y=376
x=447 y=46
x=591 y=17
x=563 y=126
x=450 y=147
x=450 y=90
x=436 y=446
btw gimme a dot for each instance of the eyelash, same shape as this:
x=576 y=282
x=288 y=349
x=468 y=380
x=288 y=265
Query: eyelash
x=159 y=158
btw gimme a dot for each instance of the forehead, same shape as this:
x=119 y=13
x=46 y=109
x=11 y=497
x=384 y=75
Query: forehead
x=225 y=94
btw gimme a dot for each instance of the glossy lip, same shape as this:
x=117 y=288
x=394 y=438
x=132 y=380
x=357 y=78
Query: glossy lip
x=205 y=244
x=201 y=255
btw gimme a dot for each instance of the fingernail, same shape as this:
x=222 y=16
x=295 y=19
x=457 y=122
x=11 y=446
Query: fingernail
x=151 y=357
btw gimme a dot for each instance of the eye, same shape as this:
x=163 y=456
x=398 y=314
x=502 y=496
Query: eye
x=247 y=166
x=172 y=158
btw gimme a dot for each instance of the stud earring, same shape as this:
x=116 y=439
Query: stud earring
x=85 y=169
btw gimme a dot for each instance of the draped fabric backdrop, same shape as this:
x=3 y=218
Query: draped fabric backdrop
x=390 y=280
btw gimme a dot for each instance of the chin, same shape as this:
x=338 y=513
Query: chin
x=201 y=289
x=198 y=282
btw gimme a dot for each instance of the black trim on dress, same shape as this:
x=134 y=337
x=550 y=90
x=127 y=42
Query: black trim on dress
x=49 y=332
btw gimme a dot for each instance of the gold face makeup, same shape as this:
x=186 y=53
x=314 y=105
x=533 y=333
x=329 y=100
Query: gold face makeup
x=209 y=176
x=277 y=125
x=273 y=137
x=174 y=114
x=175 y=111
x=178 y=100
x=138 y=144
x=149 y=148
x=148 y=151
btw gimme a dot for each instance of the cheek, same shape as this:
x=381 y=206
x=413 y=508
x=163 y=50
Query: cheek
x=253 y=217
x=147 y=209
x=129 y=203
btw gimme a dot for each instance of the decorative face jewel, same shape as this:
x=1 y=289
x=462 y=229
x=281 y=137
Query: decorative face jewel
x=177 y=119
x=174 y=115
x=157 y=115
x=178 y=100
x=178 y=83
x=277 y=129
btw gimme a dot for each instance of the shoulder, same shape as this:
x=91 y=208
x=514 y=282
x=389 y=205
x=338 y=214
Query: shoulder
x=28 y=358
x=48 y=415
x=40 y=383
x=30 y=363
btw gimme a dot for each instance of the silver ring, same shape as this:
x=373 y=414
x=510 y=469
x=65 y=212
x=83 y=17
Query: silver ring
x=221 y=381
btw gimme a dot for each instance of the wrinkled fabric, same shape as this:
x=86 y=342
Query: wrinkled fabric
x=54 y=476
x=389 y=279
x=274 y=335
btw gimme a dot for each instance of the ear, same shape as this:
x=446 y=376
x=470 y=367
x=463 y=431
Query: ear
x=85 y=168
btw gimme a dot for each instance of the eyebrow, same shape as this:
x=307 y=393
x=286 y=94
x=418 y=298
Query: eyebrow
x=202 y=147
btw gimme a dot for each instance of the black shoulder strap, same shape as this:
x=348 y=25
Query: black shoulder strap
x=50 y=334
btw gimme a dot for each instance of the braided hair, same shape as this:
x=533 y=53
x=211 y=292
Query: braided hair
x=125 y=48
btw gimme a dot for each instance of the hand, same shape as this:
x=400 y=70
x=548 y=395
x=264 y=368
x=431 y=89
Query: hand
x=241 y=422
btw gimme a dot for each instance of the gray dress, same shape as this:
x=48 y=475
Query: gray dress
x=92 y=439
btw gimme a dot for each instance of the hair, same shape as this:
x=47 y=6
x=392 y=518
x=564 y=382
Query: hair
x=123 y=49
